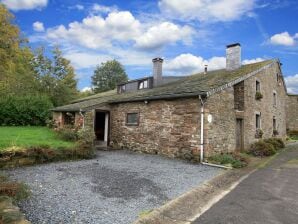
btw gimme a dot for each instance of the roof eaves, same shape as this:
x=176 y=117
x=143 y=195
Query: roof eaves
x=158 y=97
x=236 y=81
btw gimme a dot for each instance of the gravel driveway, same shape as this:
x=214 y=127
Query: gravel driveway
x=113 y=188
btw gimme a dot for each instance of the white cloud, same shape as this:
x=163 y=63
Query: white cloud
x=24 y=4
x=103 y=9
x=81 y=60
x=162 y=34
x=38 y=26
x=79 y=7
x=254 y=60
x=86 y=89
x=186 y=64
x=206 y=10
x=97 y=32
x=292 y=83
x=284 y=39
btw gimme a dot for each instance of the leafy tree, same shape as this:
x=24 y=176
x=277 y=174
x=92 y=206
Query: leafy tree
x=107 y=76
x=56 y=77
x=16 y=73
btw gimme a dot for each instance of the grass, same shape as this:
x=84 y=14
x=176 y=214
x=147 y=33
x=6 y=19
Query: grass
x=30 y=136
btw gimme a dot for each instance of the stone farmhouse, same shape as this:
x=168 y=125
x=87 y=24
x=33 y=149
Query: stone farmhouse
x=214 y=111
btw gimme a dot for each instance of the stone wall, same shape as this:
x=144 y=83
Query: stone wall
x=269 y=83
x=220 y=130
x=292 y=112
x=165 y=127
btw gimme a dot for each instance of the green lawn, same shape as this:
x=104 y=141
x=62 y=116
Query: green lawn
x=30 y=136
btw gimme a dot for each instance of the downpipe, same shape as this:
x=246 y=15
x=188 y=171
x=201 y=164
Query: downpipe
x=202 y=139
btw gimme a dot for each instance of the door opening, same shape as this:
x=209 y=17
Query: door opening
x=101 y=125
x=239 y=135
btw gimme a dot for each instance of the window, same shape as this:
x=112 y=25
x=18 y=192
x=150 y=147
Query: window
x=258 y=86
x=143 y=84
x=274 y=99
x=68 y=118
x=132 y=119
x=258 y=121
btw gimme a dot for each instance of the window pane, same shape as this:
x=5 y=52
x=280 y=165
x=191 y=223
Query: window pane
x=132 y=118
x=146 y=84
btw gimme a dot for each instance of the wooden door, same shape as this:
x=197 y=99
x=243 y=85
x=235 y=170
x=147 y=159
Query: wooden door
x=239 y=134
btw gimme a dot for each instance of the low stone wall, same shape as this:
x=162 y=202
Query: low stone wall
x=9 y=213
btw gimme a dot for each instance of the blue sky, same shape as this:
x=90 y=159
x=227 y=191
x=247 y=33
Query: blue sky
x=187 y=34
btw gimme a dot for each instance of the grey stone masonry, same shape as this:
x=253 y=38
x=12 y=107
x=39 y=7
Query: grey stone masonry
x=233 y=56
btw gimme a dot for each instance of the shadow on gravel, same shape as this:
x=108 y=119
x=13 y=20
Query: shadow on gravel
x=123 y=184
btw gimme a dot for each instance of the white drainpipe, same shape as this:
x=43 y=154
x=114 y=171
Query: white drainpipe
x=202 y=139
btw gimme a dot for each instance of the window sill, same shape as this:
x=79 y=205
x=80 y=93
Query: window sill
x=132 y=124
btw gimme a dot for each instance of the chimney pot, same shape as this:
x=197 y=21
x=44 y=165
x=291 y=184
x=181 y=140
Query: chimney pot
x=233 y=56
x=157 y=71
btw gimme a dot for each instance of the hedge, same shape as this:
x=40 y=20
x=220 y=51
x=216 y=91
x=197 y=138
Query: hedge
x=24 y=110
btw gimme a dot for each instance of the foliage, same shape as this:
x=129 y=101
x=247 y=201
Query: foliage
x=56 y=78
x=293 y=134
x=259 y=133
x=24 y=110
x=237 y=160
x=107 y=76
x=259 y=95
x=67 y=133
x=262 y=148
x=16 y=73
x=275 y=132
x=276 y=142
x=24 y=137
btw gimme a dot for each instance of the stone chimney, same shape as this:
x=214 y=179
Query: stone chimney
x=157 y=71
x=233 y=56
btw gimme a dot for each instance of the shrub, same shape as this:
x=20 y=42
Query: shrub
x=237 y=160
x=259 y=133
x=275 y=132
x=262 y=148
x=67 y=133
x=276 y=142
x=24 y=110
x=259 y=95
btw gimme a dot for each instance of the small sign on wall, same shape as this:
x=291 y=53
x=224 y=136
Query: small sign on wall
x=209 y=118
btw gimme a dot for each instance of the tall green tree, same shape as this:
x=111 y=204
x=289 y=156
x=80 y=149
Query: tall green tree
x=56 y=77
x=107 y=76
x=16 y=73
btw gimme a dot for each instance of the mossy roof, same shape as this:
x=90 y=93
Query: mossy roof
x=189 y=86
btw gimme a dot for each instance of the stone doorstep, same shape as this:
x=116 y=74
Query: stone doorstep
x=189 y=206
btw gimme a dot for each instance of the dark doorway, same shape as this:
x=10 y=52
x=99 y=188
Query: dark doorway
x=99 y=127
x=239 y=134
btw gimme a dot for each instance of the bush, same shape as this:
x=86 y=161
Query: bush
x=276 y=142
x=237 y=160
x=262 y=148
x=24 y=110
x=259 y=95
x=67 y=133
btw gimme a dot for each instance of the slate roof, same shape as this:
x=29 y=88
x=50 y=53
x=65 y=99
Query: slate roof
x=190 y=86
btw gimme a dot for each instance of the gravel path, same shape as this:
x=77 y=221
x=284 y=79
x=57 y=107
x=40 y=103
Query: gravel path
x=114 y=188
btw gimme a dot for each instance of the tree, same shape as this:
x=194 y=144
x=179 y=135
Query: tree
x=107 y=76
x=16 y=73
x=56 y=77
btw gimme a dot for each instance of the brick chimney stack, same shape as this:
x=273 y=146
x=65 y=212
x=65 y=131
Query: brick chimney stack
x=157 y=71
x=233 y=56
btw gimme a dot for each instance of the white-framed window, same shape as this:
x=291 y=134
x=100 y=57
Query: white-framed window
x=143 y=84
